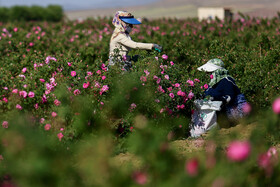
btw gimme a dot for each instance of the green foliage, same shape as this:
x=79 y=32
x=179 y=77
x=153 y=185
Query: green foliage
x=52 y=13
x=71 y=118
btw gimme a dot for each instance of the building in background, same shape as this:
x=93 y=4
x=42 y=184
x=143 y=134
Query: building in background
x=210 y=13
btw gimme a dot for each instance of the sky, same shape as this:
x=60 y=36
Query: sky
x=77 y=4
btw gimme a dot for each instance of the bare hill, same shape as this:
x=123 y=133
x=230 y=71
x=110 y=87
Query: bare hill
x=186 y=8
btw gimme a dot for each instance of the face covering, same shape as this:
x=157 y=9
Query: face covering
x=128 y=29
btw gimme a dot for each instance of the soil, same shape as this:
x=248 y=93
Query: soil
x=184 y=148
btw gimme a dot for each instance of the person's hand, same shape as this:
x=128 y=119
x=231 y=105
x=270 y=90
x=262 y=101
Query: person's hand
x=157 y=47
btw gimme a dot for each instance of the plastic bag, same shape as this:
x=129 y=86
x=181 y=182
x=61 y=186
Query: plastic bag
x=204 y=116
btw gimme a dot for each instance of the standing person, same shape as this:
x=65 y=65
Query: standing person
x=222 y=87
x=121 y=42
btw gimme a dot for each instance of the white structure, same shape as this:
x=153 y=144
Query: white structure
x=210 y=13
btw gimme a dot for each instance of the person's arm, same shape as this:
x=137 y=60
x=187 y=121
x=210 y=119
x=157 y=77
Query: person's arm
x=224 y=91
x=135 y=45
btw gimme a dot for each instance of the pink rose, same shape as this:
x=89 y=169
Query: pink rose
x=47 y=127
x=246 y=108
x=23 y=94
x=164 y=56
x=211 y=76
x=190 y=95
x=166 y=77
x=5 y=100
x=60 y=136
x=177 y=85
x=24 y=70
x=54 y=114
x=42 y=80
x=15 y=91
x=172 y=63
x=18 y=107
x=57 y=102
x=143 y=78
x=5 y=124
x=205 y=86
x=276 y=106
x=103 y=77
x=140 y=177
x=86 y=85
x=31 y=94
x=191 y=167
x=171 y=95
x=73 y=73
x=77 y=92
x=190 y=82
x=238 y=150
x=158 y=81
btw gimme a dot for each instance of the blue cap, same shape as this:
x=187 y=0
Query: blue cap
x=130 y=20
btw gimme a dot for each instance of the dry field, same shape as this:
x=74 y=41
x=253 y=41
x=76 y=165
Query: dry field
x=185 y=8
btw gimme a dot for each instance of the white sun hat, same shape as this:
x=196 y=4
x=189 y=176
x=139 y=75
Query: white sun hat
x=212 y=65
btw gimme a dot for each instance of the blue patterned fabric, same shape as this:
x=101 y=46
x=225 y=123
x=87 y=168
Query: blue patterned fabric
x=235 y=112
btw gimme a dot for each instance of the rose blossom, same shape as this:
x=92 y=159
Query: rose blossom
x=42 y=120
x=31 y=94
x=57 y=102
x=15 y=91
x=54 y=114
x=247 y=108
x=164 y=56
x=60 y=136
x=42 y=80
x=77 y=92
x=47 y=127
x=190 y=82
x=205 y=86
x=24 y=70
x=5 y=100
x=276 y=106
x=238 y=150
x=5 y=124
x=19 y=107
x=73 y=73
x=190 y=95
x=191 y=167
x=86 y=85
x=171 y=95
x=23 y=94
x=140 y=177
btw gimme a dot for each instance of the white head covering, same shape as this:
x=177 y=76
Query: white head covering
x=212 y=65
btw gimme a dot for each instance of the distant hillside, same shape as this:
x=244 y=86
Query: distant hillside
x=186 y=8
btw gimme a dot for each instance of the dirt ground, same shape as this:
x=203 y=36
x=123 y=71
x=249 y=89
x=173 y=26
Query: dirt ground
x=184 y=148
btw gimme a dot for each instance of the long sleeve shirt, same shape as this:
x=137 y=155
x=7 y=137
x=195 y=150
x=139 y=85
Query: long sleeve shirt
x=124 y=43
x=224 y=88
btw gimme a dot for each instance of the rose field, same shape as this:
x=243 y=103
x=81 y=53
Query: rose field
x=68 y=119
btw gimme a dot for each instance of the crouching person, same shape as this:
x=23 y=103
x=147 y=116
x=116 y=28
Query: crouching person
x=222 y=87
